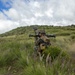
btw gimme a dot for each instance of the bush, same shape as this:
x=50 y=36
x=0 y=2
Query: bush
x=53 y=51
x=72 y=36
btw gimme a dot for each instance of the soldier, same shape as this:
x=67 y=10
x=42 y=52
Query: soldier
x=42 y=42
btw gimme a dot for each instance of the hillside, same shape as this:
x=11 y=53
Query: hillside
x=59 y=30
x=17 y=48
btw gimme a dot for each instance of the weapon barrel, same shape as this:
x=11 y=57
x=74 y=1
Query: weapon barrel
x=51 y=35
x=31 y=35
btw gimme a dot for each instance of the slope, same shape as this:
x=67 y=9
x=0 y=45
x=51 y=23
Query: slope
x=16 y=53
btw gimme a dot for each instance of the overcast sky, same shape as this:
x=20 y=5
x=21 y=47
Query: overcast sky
x=15 y=13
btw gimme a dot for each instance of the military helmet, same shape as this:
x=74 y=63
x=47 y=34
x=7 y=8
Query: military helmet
x=42 y=32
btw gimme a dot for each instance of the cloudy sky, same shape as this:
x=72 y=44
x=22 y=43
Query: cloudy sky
x=15 y=13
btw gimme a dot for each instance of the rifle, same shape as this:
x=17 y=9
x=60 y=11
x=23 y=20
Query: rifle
x=36 y=34
x=41 y=44
x=50 y=35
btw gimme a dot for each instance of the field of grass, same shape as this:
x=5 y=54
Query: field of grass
x=17 y=48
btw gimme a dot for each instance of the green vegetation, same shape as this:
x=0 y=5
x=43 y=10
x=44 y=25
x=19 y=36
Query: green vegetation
x=17 y=54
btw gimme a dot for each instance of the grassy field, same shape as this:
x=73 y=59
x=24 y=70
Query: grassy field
x=16 y=52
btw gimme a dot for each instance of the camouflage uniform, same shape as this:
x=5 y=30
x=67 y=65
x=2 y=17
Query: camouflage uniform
x=42 y=41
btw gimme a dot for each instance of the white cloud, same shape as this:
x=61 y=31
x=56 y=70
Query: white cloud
x=12 y=14
x=6 y=25
x=49 y=13
x=38 y=15
x=28 y=12
x=2 y=16
x=35 y=4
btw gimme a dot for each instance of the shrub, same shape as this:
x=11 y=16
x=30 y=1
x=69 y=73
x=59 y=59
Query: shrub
x=54 y=52
x=72 y=36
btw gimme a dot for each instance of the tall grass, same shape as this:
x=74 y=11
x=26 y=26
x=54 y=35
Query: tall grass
x=16 y=56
